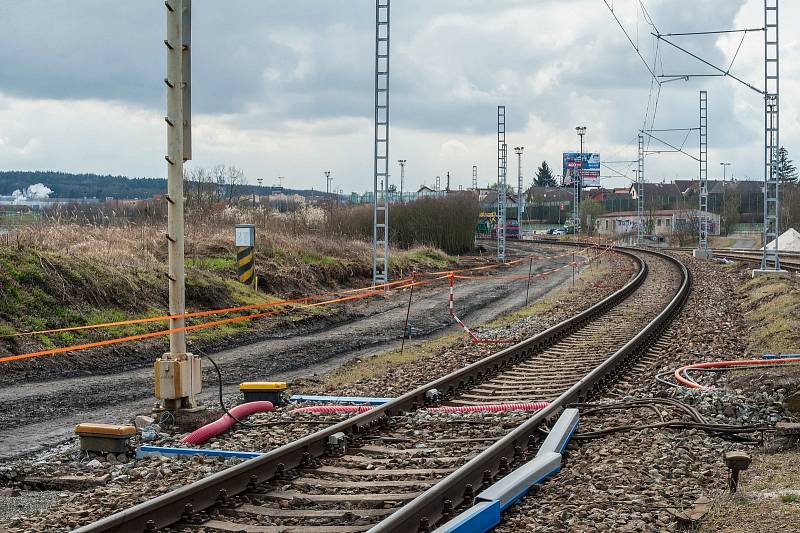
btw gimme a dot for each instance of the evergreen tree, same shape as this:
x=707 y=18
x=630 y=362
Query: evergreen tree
x=544 y=176
x=787 y=172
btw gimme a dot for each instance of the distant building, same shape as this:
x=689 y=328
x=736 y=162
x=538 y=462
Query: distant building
x=661 y=222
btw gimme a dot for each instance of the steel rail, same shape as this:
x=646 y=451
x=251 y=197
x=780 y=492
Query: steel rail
x=789 y=260
x=451 y=492
x=170 y=508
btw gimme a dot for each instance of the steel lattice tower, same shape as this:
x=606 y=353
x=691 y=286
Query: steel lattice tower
x=501 y=183
x=703 y=222
x=640 y=193
x=520 y=203
x=380 y=230
x=475 y=177
x=770 y=259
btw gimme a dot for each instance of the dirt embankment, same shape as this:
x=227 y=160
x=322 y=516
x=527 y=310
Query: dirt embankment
x=44 y=289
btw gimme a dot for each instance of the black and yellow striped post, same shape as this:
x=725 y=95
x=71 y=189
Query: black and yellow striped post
x=245 y=253
x=245 y=257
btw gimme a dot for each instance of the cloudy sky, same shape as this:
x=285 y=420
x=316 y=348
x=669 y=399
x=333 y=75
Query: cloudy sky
x=286 y=88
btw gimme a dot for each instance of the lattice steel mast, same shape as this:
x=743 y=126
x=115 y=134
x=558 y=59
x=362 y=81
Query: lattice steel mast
x=520 y=204
x=501 y=183
x=380 y=230
x=640 y=192
x=770 y=258
x=475 y=177
x=702 y=244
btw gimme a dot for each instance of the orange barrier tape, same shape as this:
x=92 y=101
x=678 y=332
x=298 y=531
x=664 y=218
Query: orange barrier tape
x=364 y=292
x=140 y=336
x=195 y=314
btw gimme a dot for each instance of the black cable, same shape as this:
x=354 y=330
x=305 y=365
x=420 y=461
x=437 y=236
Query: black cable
x=221 y=403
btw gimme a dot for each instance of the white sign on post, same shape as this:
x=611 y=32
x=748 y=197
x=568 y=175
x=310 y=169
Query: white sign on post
x=245 y=235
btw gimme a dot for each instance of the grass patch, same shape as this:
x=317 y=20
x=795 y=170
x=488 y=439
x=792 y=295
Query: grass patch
x=790 y=497
x=378 y=365
x=772 y=307
x=765 y=488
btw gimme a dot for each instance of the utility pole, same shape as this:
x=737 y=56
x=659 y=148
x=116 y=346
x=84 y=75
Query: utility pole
x=579 y=186
x=518 y=150
x=178 y=375
x=328 y=180
x=722 y=208
x=402 y=177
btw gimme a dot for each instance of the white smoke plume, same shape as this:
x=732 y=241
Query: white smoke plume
x=38 y=191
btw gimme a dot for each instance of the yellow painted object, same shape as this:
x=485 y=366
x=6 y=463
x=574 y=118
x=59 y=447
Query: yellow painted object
x=110 y=430
x=263 y=385
x=271 y=391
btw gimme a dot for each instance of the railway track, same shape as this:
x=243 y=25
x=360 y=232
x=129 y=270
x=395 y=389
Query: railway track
x=400 y=467
x=789 y=260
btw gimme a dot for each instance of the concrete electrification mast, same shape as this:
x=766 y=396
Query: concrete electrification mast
x=178 y=375
x=380 y=230
x=501 y=183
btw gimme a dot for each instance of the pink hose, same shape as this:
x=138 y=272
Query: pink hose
x=223 y=424
x=333 y=409
x=489 y=408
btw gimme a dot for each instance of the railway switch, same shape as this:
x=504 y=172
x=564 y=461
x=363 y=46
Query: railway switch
x=270 y=391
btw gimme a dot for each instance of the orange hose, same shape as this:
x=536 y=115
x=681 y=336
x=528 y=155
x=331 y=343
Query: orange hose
x=717 y=364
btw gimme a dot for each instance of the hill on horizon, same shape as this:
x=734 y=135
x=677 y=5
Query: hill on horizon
x=89 y=185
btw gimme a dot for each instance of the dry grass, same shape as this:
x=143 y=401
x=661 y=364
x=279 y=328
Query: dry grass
x=772 y=306
x=766 y=501
x=379 y=365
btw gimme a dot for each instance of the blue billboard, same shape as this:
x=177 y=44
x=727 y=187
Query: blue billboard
x=576 y=163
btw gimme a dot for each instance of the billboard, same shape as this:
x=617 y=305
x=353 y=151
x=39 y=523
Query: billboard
x=586 y=163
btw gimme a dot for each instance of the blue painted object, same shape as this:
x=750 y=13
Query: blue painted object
x=780 y=355
x=483 y=516
x=358 y=400
x=143 y=451
x=486 y=513
x=517 y=484
x=561 y=433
